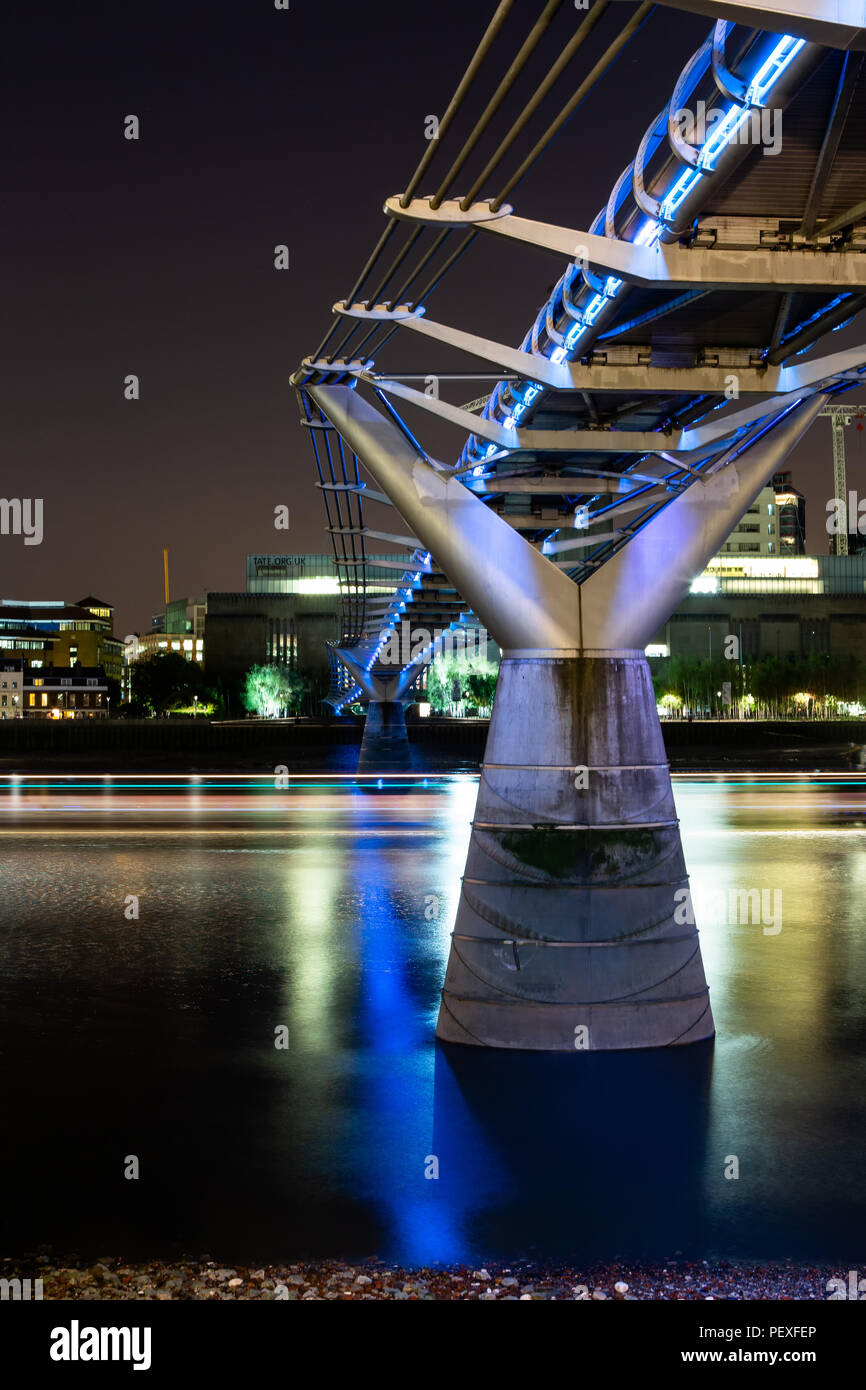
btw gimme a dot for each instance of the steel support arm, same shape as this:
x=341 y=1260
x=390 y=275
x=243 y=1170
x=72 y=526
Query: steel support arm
x=374 y=535
x=520 y=596
x=667 y=267
x=603 y=376
x=692 y=444
x=507 y=437
x=371 y=687
x=634 y=593
x=360 y=488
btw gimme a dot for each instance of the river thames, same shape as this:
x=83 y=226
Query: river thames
x=320 y=915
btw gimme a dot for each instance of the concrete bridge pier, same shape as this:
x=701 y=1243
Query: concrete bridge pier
x=574 y=930
x=385 y=744
x=566 y=935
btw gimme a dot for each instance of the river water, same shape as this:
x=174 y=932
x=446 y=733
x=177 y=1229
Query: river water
x=325 y=910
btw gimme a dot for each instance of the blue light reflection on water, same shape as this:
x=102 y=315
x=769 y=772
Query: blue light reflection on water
x=329 y=908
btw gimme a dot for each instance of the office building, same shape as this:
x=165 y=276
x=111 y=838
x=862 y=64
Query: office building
x=53 y=633
x=29 y=691
x=756 y=533
x=12 y=689
x=774 y=605
x=290 y=611
x=790 y=516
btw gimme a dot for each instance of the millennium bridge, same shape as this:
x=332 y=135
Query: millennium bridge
x=679 y=357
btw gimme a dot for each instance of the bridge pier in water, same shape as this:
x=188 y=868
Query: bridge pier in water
x=566 y=934
x=385 y=743
x=574 y=928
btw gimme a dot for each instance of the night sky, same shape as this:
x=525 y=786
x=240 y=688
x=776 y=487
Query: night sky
x=155 y=257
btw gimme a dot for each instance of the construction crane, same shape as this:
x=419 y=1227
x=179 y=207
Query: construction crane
x=840 y=416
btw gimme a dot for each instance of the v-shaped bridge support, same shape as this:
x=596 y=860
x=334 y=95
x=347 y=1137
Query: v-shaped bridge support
x=574 y=928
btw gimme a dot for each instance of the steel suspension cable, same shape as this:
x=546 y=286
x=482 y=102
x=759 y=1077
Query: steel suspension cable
x=398 y=261
x=425 y=260
x=466 y=81
x=371 y=261
x=490 y=34
x=565 y=57
x=524 y=54
x=444 y=269
x=605 y=61
x=390 y=226
x=428 y=289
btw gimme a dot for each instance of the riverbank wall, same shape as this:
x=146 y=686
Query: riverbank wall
x=437 y=744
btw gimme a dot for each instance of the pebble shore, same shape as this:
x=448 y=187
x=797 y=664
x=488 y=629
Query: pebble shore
x=115 y=1279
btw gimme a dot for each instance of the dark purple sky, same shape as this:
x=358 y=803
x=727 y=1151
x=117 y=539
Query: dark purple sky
x=258 y=127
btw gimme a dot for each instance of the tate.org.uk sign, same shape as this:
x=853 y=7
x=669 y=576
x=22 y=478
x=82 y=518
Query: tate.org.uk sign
x=279 y=562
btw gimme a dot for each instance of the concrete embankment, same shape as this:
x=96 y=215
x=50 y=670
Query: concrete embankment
x=438 y=745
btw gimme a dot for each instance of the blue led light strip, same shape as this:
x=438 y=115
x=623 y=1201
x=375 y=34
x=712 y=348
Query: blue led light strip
x=723 y=134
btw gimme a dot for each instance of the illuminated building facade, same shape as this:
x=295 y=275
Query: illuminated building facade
x=314 y=575
x=291 y=574
x=183 y=643
x=53 y=692
x=791 y=515
x=756 y=533
x=179 y=628
x=785 y=606
x=186 y=615
x=53 y=633
x=11 y=689
x=286 y=617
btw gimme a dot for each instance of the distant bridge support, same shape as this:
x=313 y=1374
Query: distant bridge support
x=385 y=745
x=574 y=929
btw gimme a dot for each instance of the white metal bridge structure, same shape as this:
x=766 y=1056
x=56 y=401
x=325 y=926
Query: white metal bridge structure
x=675 y=364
